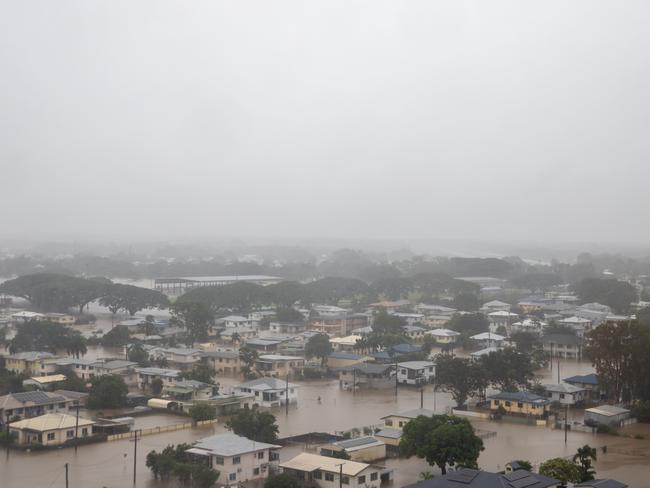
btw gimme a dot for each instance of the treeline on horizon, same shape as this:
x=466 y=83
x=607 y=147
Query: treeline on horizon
x=345 y=263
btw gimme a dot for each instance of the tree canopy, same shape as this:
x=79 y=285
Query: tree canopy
x=318 y=346
x=174 y=462
x=461 y=377
x=608 y=291
x=38 y=335
x=107 y=391
x=561 y=469
x=132 y=299
x=194 y=317
x=443 y=440
x=254 y=424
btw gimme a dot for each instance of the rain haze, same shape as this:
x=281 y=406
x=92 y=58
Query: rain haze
x=341 y=119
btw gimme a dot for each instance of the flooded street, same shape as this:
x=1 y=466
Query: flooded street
x=111 y=464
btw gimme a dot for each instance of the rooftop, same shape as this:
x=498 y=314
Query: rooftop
x=442 y=333
x=586 y=379
x=473 y=478
x=158 y=371
x=416 y=364
x=521 y=396
x=358 y=443
x=228 y=445
x=267 y=383
x=605 y=483
x=607 y=410
x=312 y=462
x=487 y=336
x=51 y=421
x=29 y=399
x=412 y=414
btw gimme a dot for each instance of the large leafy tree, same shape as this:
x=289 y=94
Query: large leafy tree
x=108 y=391
x=174 y=462
x=254 y=424
x=318 y=346
x=47 y=336
x=385 y=323
x=282 y=480
x=247 y=356
x=473 y=323
x=459 y=376
x=116 y=337
x=132 y=299
x=508 y=369
x=561 y=469
x=443 y=440
x=617 y=294
x=194 y=317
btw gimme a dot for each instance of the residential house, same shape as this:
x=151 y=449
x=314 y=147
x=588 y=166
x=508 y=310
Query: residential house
x=60 y=318
x=589 y=382
x=51 y=429
x=146 y=376
x=235 y=321
x=360 y=449
x=390 y=306
x=579 y=325
x=188 y=391
x=399 y=420
x=444 y=336
x=31 y=363
x=26 y=316
x=410 y=318
x=329 y=472
x=473 y=478
x=347 y=343
x=292 y=328
x=77 y=397
x=495 y=306
x=476 y=355
x=333 y=325
x=429 y=310
x=29 y=404
x=520 y=403
x=415 y=372
x=238 y=334
x=488 y=339
x=224 y=363
x=230 y=404
x=437 y=321
x=269 y=392
x=502 y=319
x=562 y=345
x=277 y=365
x=342 y=359
x=48 y=382
x=566 y=394
x=237 y=459
x=183 y=358
x=390 y=437
x=267 y=344
x=414 y=332
x=87 y=369
x=602 y=483
x=532 y=326
x=367 y=375
x=610 y=415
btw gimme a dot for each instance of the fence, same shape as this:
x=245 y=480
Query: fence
x=160 y=429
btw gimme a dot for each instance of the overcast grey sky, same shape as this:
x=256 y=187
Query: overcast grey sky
x=481 y=119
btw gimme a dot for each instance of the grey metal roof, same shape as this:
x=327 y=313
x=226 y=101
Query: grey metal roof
x=32 y=397
x=585 y=379
x=521 y=396
x=473 y=478
x=267 y=383
x=229 y=444
x=390 y=433
x=412 y=414
x=358 y=442
x=604 y=483
x=221 y=354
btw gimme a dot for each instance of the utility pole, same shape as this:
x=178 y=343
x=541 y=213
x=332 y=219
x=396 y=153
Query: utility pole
x=66 y=475
x=286 y=395
x=558 y=370
x=340 y=474
x=434 y=394
x=396 y=377
x=135 y=453
x=566 y=422
x=421 y=398
x=354 y=380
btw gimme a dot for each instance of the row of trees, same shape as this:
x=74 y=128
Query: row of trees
x=619 y=352
x=38 y=335
x=506 y=369
x=60 y=293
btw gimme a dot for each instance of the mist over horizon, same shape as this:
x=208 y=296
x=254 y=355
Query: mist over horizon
x=449 y=122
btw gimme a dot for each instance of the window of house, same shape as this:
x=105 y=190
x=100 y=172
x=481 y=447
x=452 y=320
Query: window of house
x=401 y=424
x=389 y=422
x=361 y=480
x=318 y=475
x=520 y=405
x=374 y=476
x=260 y=455
x=218 y=460
x=329 y=477
x=496 y=402
x=236 y=460
x=561 y=395
x=256 y=471
x=232 y=476
x=69 y=434
x=508 y=404
x=346 y=480
x=61 y=405
x=84 y=431
x=50 y=436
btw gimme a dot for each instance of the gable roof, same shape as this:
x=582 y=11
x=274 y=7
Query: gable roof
x=604 y=483
x=267 y=383
x=412 y=414
x=520 y=396
x=585 y=379
x=50 y=421
x=229 y=444
x=29 y=399
x=472 y=478
x=312 y=462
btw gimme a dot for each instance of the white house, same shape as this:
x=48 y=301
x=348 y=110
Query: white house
x=269 y=392
x=495 y=306
x=236 y=458
x=236 y=321
x=414 y=332
x=566 y=394
x=409 y=318
x=579 y=324
x=329 y=472
x=502 y=319
x=50 y=429
x=444 y=336
x=488 y=339
x=415 y=372
x=147 y=375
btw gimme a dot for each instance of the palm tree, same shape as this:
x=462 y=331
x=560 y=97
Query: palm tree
x=584 y=456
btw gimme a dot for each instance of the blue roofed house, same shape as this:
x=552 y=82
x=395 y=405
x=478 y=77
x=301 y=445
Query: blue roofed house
x=587 y=381
x=520 y=403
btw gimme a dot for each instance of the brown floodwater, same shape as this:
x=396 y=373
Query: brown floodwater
x=110 y=464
